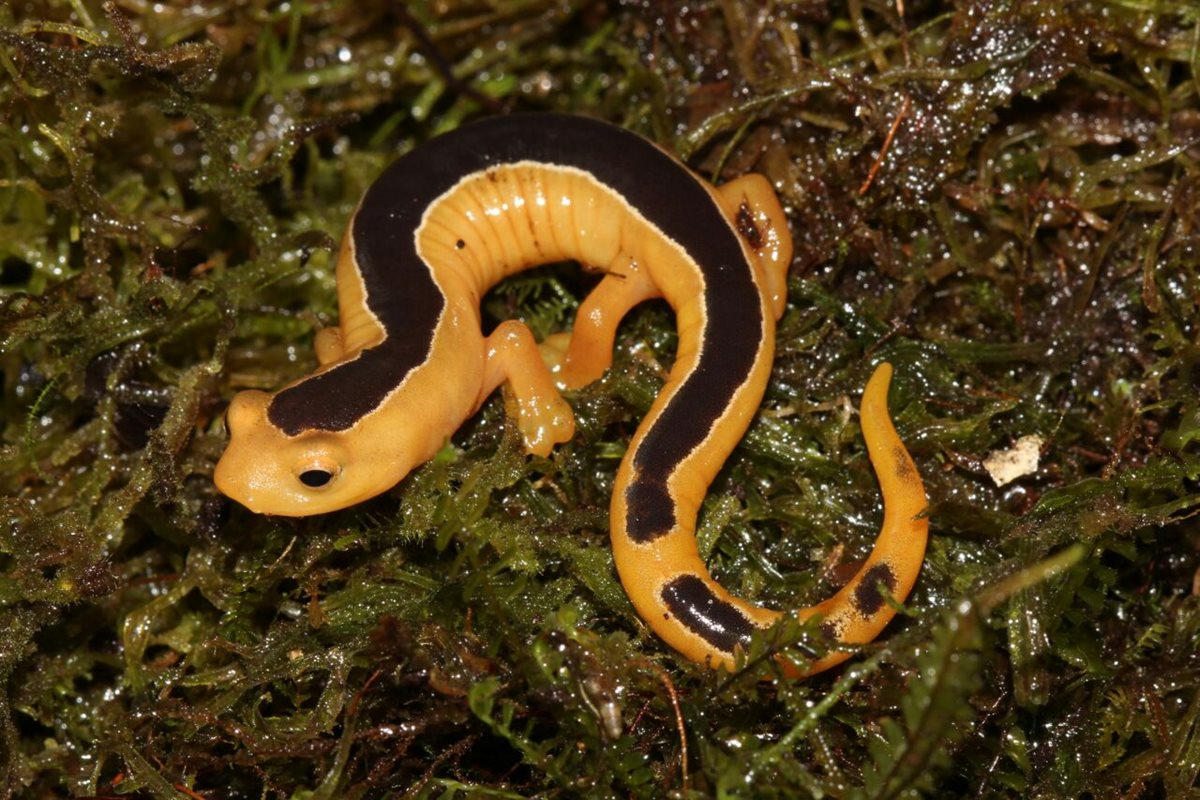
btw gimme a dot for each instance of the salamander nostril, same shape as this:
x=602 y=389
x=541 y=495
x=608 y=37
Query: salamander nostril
x=315 y=478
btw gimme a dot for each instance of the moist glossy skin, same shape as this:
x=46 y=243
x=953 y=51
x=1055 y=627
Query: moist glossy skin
x=408 y=362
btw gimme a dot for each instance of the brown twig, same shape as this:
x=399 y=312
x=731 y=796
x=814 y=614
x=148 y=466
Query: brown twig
x=887 y=143
x=683 y=748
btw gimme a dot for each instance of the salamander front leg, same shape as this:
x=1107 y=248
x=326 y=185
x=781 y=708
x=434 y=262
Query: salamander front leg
x=512 y=356
x=581 y=356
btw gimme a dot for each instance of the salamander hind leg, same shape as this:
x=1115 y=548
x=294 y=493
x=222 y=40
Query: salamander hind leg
x=753 y=207
x=581 y=356
x=512 y=356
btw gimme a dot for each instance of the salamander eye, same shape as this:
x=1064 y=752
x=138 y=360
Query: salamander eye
x=317 y=473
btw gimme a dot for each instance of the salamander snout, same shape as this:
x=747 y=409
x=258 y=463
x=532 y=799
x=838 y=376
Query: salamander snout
x=270 y=472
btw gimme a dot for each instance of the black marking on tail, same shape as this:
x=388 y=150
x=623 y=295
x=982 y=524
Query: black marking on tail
x=650 y=511
x=867 y=597
x=714 y=620
x=904 y=468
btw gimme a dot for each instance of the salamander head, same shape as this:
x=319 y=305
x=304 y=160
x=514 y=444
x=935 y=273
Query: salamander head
x=270 y=472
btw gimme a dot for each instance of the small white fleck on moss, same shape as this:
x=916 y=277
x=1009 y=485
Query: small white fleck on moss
x=1005 y=466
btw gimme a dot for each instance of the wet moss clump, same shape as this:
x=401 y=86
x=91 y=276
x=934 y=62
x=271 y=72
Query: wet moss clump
x=1001 y=198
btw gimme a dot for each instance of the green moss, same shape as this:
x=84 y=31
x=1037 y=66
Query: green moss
x=173 y=182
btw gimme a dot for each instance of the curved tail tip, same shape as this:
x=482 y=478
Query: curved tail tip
x=881 y=378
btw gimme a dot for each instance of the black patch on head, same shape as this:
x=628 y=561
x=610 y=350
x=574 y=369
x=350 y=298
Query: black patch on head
x=747 y=227
x=829 y=631
x=649 y=510
x=706 y=615
x=867 y=597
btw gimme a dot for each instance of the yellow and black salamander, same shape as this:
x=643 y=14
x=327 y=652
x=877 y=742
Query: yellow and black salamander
x=408 y=362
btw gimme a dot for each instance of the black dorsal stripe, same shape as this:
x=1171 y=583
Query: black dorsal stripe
x=714 y=620
x=732 y=338
x=401 y=292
